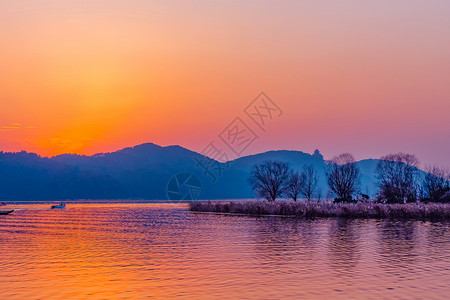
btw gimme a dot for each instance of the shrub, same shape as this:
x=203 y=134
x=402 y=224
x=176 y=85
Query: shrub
x=315 y=209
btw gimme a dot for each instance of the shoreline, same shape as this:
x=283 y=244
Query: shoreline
x=314 y=209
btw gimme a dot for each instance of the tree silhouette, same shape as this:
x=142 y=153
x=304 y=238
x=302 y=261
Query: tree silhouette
x=397 y=178
x=343 y=176
x=270 y=179
x=310 y=181
x=294 y=186
x=436 y=183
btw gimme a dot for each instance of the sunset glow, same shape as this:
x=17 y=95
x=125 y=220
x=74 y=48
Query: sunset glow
x=96 y=76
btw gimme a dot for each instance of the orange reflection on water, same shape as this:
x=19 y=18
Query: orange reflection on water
x=104 y=251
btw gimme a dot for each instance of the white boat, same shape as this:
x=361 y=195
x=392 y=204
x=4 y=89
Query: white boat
x=59 y=206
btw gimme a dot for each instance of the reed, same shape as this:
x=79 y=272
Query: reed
x=317 y=209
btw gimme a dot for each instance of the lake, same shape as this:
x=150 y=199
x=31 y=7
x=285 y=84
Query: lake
x=142 y=250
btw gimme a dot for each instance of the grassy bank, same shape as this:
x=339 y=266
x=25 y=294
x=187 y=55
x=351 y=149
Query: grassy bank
x=315 y=209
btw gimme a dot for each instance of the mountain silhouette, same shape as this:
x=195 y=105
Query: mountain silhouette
x=143 y=172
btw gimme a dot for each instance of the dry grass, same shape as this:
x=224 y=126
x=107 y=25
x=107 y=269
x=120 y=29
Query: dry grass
x=314 y=209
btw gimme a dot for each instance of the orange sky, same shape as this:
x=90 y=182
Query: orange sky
x=369 y=77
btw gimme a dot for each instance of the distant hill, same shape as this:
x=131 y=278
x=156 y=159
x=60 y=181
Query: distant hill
x=143 y=172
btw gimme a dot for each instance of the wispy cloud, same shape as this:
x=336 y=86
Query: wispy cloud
x=15 y=126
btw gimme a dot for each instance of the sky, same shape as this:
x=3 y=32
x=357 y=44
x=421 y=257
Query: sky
x=366 y=77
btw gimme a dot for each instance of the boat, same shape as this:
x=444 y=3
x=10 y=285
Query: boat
x=59 y=206
x=2 y=203
x=6 y=212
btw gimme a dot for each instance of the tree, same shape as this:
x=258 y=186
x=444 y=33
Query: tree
x=397 y=178
x=294 y=186
x=436 y=183
x=310 y=181
x=270 y=179
x=343 y=177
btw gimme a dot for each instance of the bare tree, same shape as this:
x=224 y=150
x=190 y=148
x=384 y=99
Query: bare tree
x=436 y=182
x=270 y=179
x=310 y=181
x=294 y=186
x=397 y=178
x=343 y=176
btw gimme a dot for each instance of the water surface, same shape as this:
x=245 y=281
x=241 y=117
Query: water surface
x=114 y=250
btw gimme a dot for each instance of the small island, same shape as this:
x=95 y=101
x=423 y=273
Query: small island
x=403 y=194
x=316 y=209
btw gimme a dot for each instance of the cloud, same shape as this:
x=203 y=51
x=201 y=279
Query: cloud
x=10 y=127
x=15 y=126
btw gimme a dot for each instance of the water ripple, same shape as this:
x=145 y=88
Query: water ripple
x=104 y=251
